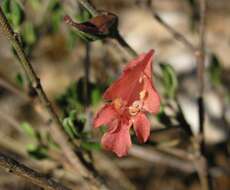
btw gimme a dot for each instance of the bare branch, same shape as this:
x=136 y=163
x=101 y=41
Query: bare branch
x=12 y=88
x=178 y=36
x=160 y=158
x=202 y=163
x=200 y=54
x=31 y=175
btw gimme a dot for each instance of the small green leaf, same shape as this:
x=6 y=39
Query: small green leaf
x=95 y=96
x=16 y=13
x=36 y=4
x=51 y=142
x=28 y=129
x=91 y=146
x=37 y=152
x=83 y=16
x=164 y=119
x=74 y=35
x=55 y=21
x=6 y=6
x=74 y=97
x=72 y=115
x=31 y=146
x=169 y=80
x=103 y=129
x=68 y=124
x=72 y=39
x=215 y=70
x=29 y=34
x=56 y=15
x=20 y=80
x=69 y=100
x=55 y=6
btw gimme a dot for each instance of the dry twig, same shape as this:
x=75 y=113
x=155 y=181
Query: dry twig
x=7 y=85
x=161 y=158
x=201 y=163
x=177 y=35
x=33 y=176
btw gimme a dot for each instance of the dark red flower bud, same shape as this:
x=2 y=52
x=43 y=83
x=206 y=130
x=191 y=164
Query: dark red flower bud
x=99 y=27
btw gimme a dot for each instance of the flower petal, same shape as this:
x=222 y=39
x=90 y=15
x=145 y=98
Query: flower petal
x=148 y=69
x=144 y=58
x=104 y=116
x=117 y=141
x=141 y=126
x=152 y=100
x=128 y=86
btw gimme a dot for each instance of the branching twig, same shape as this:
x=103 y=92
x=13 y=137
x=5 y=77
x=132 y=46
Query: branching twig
x=160 y=158
x=7 y=85
x=60 y=136
x=200 y=162
x=177 y=35
x=188 y=162
x=34 y=177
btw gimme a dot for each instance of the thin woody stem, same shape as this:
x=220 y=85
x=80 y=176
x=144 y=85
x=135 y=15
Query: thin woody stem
x=60 y=136
x=86 y=73
x=89 y=7
x=200 y=56
x=125 y=45
x=202 y=167
x=12 y=88
x=201 y=53
x=31 y=175
x=200 y=162
x=160 y=158
x=178 y=36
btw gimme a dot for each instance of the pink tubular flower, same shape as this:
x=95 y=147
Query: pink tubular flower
x=131 y=96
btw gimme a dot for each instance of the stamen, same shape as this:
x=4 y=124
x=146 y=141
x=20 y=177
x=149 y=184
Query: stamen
x=143 y=94
x=141 y=79
x=137 y=104
x=133 y=111
x=117 y=103
x=135 y=108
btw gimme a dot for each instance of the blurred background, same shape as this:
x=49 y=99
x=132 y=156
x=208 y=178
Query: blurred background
x=75 y=72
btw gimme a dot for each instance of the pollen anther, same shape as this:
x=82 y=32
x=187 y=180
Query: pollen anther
x=143 y=94
x=141 y=79
x=117 y=103
x=135 y=108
